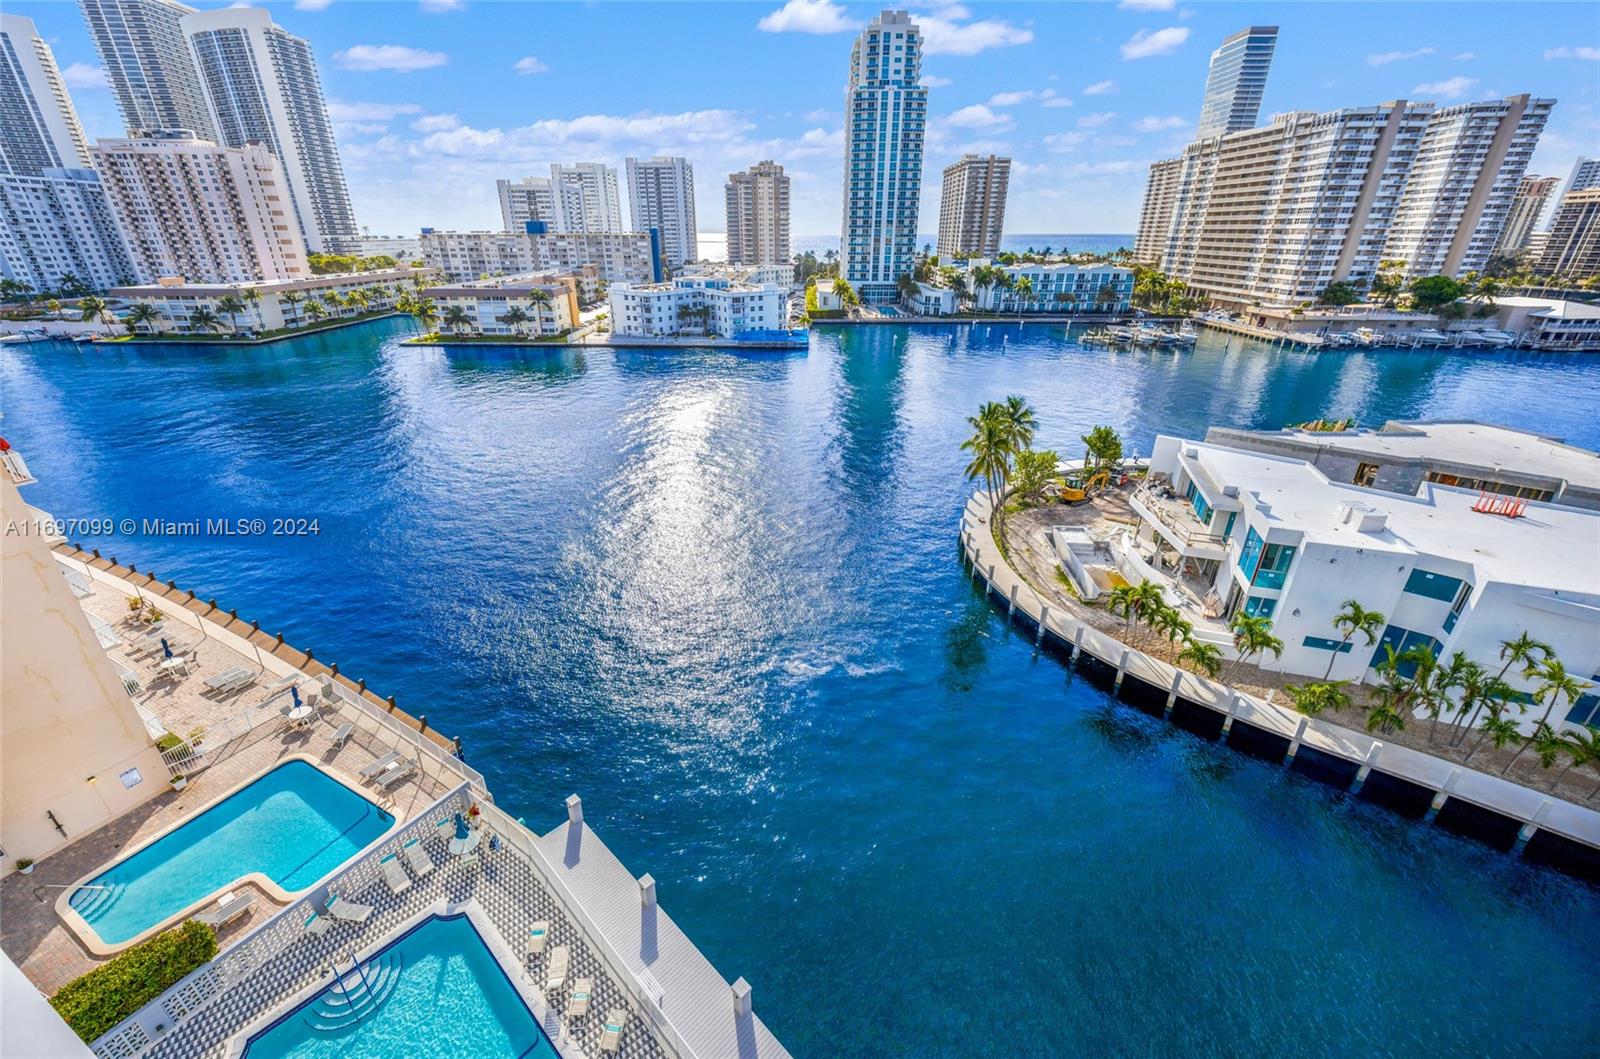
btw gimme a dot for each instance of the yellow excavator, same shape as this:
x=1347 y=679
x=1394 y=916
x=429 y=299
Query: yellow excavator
x=1076 y=491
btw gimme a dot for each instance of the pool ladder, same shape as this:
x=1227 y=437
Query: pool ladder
x=356 y=1008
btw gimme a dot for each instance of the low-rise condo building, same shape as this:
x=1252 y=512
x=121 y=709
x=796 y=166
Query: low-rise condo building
x=620 y=257
x=271 y=306
x=1055 y=289
x=538 y=306
x=697 y=305
x=779 y=272
x=1229 y=531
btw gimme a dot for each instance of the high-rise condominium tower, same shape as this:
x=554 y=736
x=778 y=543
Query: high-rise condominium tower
x=972 y=206
x=148 y=63
x=39 y=129
x=661 y=196
x=1237 y=79
x=586 y=198
x=262 y=85
x=885 y=118
x=758 y=215
x=1533 y=193
x=207 y=213
x=1573 y=247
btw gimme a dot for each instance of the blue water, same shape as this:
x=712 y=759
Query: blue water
x=1010 y=242
x=436 y=991
x=294 y=825
x=720 y=597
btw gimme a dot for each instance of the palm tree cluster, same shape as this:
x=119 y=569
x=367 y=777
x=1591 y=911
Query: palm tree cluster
x=1147 y=617
x=1156 y=292
x=1000 y=430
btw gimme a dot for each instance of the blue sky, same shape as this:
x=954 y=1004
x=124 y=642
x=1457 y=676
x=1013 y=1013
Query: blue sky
x=434 y=100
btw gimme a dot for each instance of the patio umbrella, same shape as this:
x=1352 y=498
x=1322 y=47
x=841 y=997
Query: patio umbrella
x=166 y=648
x=461 y=826
x=294 y=693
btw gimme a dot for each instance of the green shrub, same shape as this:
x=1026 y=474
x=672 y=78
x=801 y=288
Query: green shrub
x=105 y=996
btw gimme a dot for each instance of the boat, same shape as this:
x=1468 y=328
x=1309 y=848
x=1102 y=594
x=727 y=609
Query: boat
x=27 y=334
x=1491 y=337
x=83 y=339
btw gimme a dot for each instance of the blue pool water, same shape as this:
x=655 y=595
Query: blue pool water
x=294 y=825
x=437 y=990
x=720 y=597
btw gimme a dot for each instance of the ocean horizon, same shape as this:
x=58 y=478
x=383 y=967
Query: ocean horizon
x=713 y=246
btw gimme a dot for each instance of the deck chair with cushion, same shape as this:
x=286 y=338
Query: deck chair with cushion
x=399 y=882
x=578 y=1006
x=611 y=1036
x=560 y=963
x=417 y=857
x=348 y=911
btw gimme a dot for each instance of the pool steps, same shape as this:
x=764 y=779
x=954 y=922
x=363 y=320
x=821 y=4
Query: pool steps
x=358 y=991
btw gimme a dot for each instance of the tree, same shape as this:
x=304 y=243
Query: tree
x=514 y=318
x=1546 y=744
x=316 y=310
x=1555 y=684
x=907 y=286
x=1432 y=292
x=1167 y=623
x=425 y=311
x=1103 y=447
x=455 y=318
x=142 y=314
x=1581 y=746
x=230 y=306
x=1497 y=727
x=203 y=319
x=1389 y=283
x=1204 y=657
x=92 y=308
x=1035 y=472
x=1353 y=618
x=846 y=293
x=1022 y=290
x=1339 y=293
x=1252 y=635
x=990 y=445
x=16 y=290
x=292 y=299
x=541 y=300
x=1312 y=699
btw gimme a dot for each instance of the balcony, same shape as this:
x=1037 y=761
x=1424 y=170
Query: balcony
x=1175 y=520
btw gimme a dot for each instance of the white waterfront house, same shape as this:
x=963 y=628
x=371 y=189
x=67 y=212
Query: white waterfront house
x=1057 y=288
x=697 y=304
x=1227 y=530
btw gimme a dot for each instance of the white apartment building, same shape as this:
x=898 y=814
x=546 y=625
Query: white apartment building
x=550 y=304
x=757 y=205
x=972 y=206
x=886 y=109
x=529 y=199
x=620 y=257
x=210 y=214
x=147 y=59
x=585 y=198
x=1236 y=81
x=1573 y=247
x=1056 y=289
x=779 y=272
x=59 y=224
x=1273 y=215
x=1270 y=536
x=39 y=128
x=661 y=196
x=697 y=305
x=1527 y=206
x=403 y=248
x=262 y=84
x=277 y=304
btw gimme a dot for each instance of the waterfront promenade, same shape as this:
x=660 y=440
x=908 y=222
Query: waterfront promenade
x=1506 y=814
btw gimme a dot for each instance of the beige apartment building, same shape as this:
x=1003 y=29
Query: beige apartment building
x=273 y=305
x=206 y=213
x=620 y=257
x=972 y=206
x=1573 y=247
x=757 y=202
x=1527 y=205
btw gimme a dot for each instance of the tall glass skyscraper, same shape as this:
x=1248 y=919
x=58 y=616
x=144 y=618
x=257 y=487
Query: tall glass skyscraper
x=1236 y=82
x=148 y=63
x=886 y=111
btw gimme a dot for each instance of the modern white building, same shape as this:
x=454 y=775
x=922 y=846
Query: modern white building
x=661 y=196
x=403 y=248
x=261 y=83
x=1275 y=214
x=886 y=109
x=620 y=257
x=585 y=197
x=549 y=305
x=1573 y=248
x=39 y=128
x=209 y=214
x=972 y=206
x=757 y=204
x=1236 y=81
x=1527 y=206
x=697 y=305
x=60 y=224
x=929 y=300
x=529 y=199
x=273 y=305
x=1057 y=288
x=1225 y=531
x=147 y=60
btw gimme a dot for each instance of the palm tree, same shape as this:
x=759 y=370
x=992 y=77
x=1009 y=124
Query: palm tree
x=203 y=319
x=253 y=296
x=1497 y=727
x=1167 y=622
x=1023 y=289
x=316 y=310
x=1546 y=744
x=1204 y=657
x=1479 y=690
x=1521 y=652
x=1252 y=634
x=907 y=286
x=143 y=313
x=1106 y=295
x=231 y=306
x=92 y=308
x=514 y=318
x=1021 y=421
x=455 y=318
x=846 y=293
x=292 y=299
x=1144 y=601
x=541 y=300
x=1581 y=747
x=335 y=302
x=990 y=445
x=1312 y=699
x=1555 y=683
x=1354 y=618
x=425 y=311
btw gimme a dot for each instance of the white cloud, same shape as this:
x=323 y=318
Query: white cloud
x=808 y=16
x=528 y=64
x=1057 y=101
x=359 y=128
x=312 y=5
x=933 y=81
x=1147 y=5
x=345 y=110
x=1010 y=99
x=84 y=76
x=1145 y=44
x=1100 y=88
x=1120 y=165
x=1449 y=88
x=1464 y=56
x=1580 y=52
x=436 y=123
x=441 y=7
x=977 y=116
x=1065 y=141
x=393 y=57
x=946 y=32
x=1384 y=58
x=1095 y=121
x=1159 y=124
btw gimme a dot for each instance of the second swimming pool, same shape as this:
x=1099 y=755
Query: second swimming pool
x=294 y=825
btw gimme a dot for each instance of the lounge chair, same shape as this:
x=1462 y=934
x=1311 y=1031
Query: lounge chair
x=231 y=680
x=342 y=736
x=317 y=925
x=578 y=1006
x=396 y=772
x=538 y=934
x=417 y=857
x=348 y=911
x=379 y=765
x=231 y=907
x=611 y=1037
x=560 y=962
x=399 y=882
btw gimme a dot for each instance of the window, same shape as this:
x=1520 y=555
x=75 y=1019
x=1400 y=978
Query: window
x=1366 y=473
x=1260 y=606
x=1433 y=586
x=1274 y=567
x=1322 y=643
x=1250 y=554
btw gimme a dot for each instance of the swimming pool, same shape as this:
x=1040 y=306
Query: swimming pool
x=292 y=825
x=436 y=990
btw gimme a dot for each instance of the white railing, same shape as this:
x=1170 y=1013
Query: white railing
x=403 y=735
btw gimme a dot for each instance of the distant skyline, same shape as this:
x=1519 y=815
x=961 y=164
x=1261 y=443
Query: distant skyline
x=434 y=101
